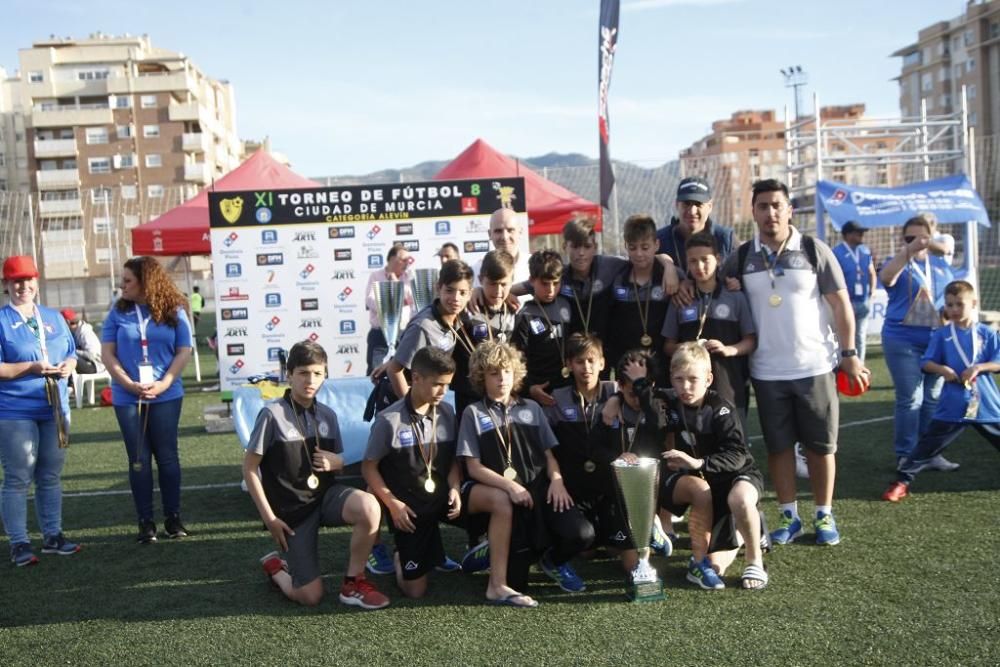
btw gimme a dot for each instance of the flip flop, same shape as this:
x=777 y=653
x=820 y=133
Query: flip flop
x=754 y=573
x=511 y=601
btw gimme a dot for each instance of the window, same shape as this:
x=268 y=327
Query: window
x=97 y=135
x=968 y=37
x=100 y=196
x=148 y=101
x=970 y=91
x=151 y=131
x=130 y=221
x=957 y=69
x=21 y=163
x=154 y=191
x=101 y=225
x=99 y=165
x=943 y=74
x=926 y=82
x=102 y=255
x=122 y=102
x=973 y=118
x=129 y=192
x=154 y=160
x=911 y=58
x=92 y=74
x=930 y=102
x=126 y=161
x=946 y=100
x=3 y=160
x=970 y=64
x=124 y=131
x=995 y=30
x=66 y=133
x=36 y=77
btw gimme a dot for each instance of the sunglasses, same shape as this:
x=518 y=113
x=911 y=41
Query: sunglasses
x=909 y=239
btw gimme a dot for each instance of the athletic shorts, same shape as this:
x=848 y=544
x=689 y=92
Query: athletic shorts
x=303 y=552
x=609 y=521
x=806 y=410
x=724 y=533
x=421 y=550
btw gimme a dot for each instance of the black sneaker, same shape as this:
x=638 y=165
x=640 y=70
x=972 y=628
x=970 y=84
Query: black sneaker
x=172 y=524
x=147 y=532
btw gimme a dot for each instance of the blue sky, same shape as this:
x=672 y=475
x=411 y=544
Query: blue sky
x=348 y=87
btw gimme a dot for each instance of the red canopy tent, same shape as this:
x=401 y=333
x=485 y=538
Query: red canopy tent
x=183 y=230
x=549 y=205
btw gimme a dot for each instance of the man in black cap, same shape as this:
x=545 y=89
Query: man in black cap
x=859 y=273
x=694 y=205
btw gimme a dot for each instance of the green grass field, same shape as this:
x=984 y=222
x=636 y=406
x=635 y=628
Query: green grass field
x=913 y=584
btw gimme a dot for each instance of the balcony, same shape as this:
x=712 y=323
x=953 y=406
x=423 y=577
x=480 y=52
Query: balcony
x=182 y=111
x=70 y=116
x=60 y=207
x=194 y=142
x=55 y=148
x=197 y=172
x=151 y=83
x=58 y=179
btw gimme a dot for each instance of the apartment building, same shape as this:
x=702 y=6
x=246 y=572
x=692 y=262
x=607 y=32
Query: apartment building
x=118 y=131
x=750 y=145
x=963 y=51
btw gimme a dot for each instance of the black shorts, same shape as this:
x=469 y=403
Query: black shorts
x=609 y=521
x=724 y=533
x=421 y=550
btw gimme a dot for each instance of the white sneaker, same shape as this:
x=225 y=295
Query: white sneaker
x=941 y=464
x=801 y=466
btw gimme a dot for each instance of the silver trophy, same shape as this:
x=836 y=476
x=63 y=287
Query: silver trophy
x=424 y=285
x=389 y=309
x=638 y=484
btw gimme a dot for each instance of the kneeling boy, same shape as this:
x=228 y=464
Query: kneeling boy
x=711 y=469
x=296 y=446
x=410 y=466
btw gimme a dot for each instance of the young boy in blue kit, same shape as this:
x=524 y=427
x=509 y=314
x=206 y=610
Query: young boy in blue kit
x=965 y=353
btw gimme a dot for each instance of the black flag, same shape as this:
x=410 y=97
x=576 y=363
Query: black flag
x=607 y=43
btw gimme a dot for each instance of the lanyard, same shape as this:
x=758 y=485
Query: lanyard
x=765 y=253
x=38 y=330
x=591 y=419
x=706 y=305
x=624 y=427
x=416 y=423
x=643 y=307
x=506 y=444
x=925 y=275
x=958 y=345
x=590 y=304
x=855 y=254
x=143 y=340
x=552 y=329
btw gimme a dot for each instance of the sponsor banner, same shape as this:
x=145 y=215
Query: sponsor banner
x=951 y=200
x=300 y=272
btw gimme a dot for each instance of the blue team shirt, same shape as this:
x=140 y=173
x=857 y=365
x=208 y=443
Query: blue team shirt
x=24 y=397
x=901 y=297
x=954 y=396
x=855 y=273
x=122 y=329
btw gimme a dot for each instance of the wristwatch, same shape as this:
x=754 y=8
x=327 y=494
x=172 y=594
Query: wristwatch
x=848 y=353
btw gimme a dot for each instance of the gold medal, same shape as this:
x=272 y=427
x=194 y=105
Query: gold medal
x=429 y=485
x=312 y=482
x=774 y=300
x=589 y=466
x=565 y=372
x=646 y=340
x=510 y=473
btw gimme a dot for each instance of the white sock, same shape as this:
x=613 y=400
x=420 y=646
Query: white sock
x=823 y=509
x=792 y=508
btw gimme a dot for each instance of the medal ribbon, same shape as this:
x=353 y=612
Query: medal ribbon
x=643 y=310
x=305 y=439
x=508 y=443
x=561 y=338
x=958 y=345
x=590 y=305
x=765 y=253
x=416 y=421
x=635 y=431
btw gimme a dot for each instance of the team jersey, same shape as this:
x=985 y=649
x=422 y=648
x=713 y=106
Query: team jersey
x=573 y=420
x=24 y=397
x=286 y=435
x=540 y=332
x=395 y=443
x=636 y=310
x=122 y=329
x=955 y=397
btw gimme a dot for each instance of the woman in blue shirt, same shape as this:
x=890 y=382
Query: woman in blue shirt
x=914 y=280
x=145 y=344
x=37 y=354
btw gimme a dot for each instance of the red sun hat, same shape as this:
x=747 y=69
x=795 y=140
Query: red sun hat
x=19 y=266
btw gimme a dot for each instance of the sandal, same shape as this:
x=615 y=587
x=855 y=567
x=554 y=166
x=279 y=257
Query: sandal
x=754 y=574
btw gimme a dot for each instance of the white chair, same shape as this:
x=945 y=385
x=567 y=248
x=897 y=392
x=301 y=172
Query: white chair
x=80 y=382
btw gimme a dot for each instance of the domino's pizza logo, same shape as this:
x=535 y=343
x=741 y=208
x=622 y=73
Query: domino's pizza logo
x=231 y=239
x=373 y=232
x=273 y=323
x=236 y=367
x=307 y=271
x=837 y=198
x=344 y=294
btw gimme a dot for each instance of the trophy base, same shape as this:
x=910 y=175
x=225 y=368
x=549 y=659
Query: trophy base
x=646 y=591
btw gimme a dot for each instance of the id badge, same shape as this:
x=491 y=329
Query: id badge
x=146 y=373
x=859 y=289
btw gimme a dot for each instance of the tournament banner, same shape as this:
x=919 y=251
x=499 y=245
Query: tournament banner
x=291 y=265
x=951 y=200
x=607 y=43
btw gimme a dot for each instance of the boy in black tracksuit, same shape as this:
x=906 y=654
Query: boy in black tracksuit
x=710 y=468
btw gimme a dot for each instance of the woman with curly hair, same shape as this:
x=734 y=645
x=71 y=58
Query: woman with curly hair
x=145 y=344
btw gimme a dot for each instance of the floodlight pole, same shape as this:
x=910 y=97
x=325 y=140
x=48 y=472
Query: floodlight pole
x=795 y=78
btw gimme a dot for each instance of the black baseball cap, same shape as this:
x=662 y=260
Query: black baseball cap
x=851 y=226
x=694 y=188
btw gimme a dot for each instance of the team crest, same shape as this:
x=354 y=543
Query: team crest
x=797 y=262
x=722 y=311
x=324 y=429
x=525 y=415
